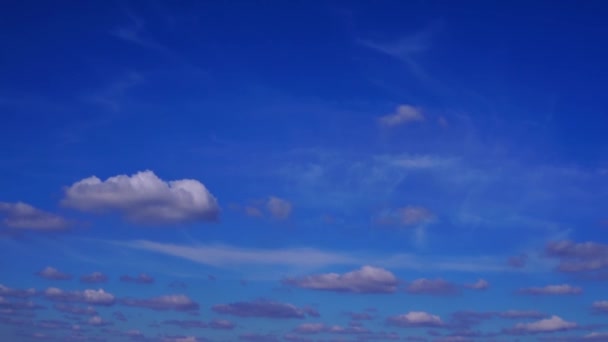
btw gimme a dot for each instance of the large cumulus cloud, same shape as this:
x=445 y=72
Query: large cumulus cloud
x=144 y=198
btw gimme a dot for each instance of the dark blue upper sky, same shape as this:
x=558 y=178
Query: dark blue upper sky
x=437 y=142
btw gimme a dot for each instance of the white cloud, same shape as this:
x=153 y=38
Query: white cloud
x=232 y=256
x=21 y=215
x=563 y=289
x=554 y=323
x=416 y=319
x=310 y=258
x=404 y=114
x=88 y=296
x=367 y=279
x=480 y=284
x=279 y=208
x=144 y=198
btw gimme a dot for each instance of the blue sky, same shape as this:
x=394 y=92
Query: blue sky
x=303 y=171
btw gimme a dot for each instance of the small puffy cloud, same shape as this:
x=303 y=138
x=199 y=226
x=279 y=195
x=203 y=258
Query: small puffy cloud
x=94 y=278
x=6 y=291
x=168 y=302
x=432 y=287
x=187 y=324
x=279 y=208
x=89 y=296
x=367 y=279
x=75 y=310
x=23 y=216
x=596 y=336
x=409 y=216
x=551 y=324
x=264 y=309
x=479 y=285
x=144 y=198
x=563 y=289
x=316 y=328
x=53 y=274
x=15 y=308
x=415 y=319
x=221 y=324
x=404 y=114
x=600 y=306
x=310 y=328
x=98 y=321
x=141 y=278
x=181 y=339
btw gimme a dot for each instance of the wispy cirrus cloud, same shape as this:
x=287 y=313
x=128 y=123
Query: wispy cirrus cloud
x=23 y=216
x=144 y=198
x=309 y=258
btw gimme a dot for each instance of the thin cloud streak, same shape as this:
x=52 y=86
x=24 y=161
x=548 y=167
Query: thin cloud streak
x=223 y=256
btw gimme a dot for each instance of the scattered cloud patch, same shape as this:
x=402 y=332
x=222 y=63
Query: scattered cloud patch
x=367 y=279
x=98 y=321
x=163 y=303
x=432 y=287
x=75 y=310
x=52 y=273
x=551 y=324
x=89 y=296
x=6 y=291
x=264 y=309
x=600 y=306
x=144 y=198
x=222 y=324
x=578 y=257
x=23 y=216
x=563 y=289
x=279 y=208
x=403 y=115
x=94 y=278
x=416 y=319
x=141 y=278
x=479 y=285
